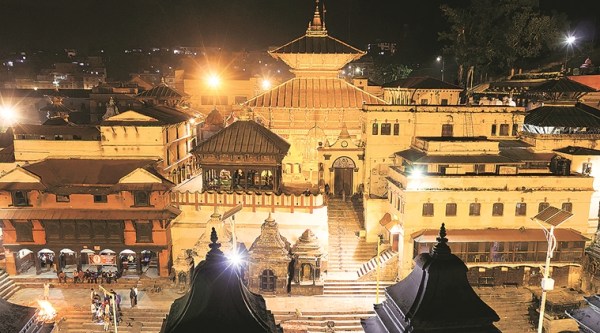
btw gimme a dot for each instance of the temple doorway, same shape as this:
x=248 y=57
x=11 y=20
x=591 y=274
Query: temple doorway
x=343 y=169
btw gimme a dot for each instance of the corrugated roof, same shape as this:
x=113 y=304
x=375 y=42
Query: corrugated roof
x=317 y=45
x=525 y=155
x=165 y=115
x=162 y=91
x=244 y=137
x=417 y=156
x=421 y=83
x=572 y=150
x=562 y=85
x=87 y=214
x=578 y=115
x=498 y=235
x=316 y=93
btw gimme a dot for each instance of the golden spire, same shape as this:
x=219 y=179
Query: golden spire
x=317 y=26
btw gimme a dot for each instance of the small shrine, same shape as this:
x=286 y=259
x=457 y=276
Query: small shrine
x=309 y=262
x=218 y=301
x=56 y=109
x=269 y=261
x=215 y=222
x=435 y=297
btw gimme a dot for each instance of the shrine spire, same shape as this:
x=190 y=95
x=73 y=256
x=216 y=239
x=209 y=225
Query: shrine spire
x=316 y=27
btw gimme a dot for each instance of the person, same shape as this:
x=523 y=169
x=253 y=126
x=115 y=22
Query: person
x=327 y=189
x=62 y=277
x=46 y=290
x=136 y=294
x=106 y=322
x=75 y=275
x=132 y=297
x=93 y=294
x=93 y=310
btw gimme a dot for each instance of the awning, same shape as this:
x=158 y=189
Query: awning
x=498 y=235
x=87 y=214
x=387 y=222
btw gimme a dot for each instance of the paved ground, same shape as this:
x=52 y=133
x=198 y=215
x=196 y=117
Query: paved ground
x=66 y=299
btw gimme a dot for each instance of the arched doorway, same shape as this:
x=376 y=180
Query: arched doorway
x=46 y=258
x=149 y=261
x=25 y=261
x=128 y=259
x=67 y=260
x=343 y=169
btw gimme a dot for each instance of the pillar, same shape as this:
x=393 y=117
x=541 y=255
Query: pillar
x=38 y=264
x=138 y=263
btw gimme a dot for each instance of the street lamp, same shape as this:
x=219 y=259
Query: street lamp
x=569 y=41
x=553 y=217
x=214 y=81
x=443 y=61
x=8 y=115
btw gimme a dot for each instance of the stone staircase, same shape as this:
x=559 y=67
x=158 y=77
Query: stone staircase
x=512 y=306
x=347 y=251
x=345 y=288
x=371 y=265
x=317 y=321
x=7 y=286
x=79 y=321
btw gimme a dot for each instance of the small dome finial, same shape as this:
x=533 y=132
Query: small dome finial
x=441 y=247
x=316 y=27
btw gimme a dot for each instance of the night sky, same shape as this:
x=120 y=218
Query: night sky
x=233 y=24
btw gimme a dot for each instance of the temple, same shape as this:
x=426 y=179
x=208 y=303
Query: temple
x=218 y=301
x=435 y=297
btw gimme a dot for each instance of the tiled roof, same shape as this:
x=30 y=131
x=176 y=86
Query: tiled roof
x=162 y=91
x=164 y=114
x=579 y=115
x=244 y=137
x=562 y=85
x=421 y=83
x=66 y=173
x=305 y=92
x=317 y=45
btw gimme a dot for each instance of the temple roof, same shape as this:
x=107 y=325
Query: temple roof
x=316 y=45
x=578 y=115
x=243 y=137
x=218 y=301
x=270 y=243
x=214 y=118
x=435 y=297
x=14 y=317
x=314 y=93
x=162 y=91
x=421 y=83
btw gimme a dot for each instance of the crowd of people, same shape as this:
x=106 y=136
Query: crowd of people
x=81 y=276
x=107 y=309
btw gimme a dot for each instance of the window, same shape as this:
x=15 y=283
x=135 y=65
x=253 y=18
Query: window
x=475 y=209
x=267 y=280
x=375 y=129
x=515 y=130
x=77 y=137
x=494 y=129
x=424 y=101
x=240 y=99
x=143 y=232
x=24 y=231
x=20 y=198
x=542 y=206
x=447 y=129
x=568 y=206
x=386 y=129
x=586 y=169
x=479 y=168
x=450 y=209
x=58 y=137
x=521 y=209
x=62 y=198
x=100 y=198
x=428 y=209
x=504 y=129
x=141 y=198
x=498 y=209
x=396 y=129
x=444 y=101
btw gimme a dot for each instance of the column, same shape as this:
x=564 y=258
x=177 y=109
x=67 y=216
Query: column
x=138 y=263
x=38 y=264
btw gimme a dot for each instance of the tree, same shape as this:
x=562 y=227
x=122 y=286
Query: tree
x=388 y=72
x=494 y=36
